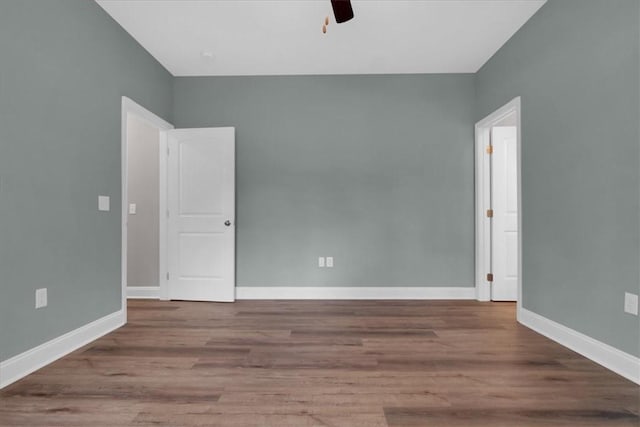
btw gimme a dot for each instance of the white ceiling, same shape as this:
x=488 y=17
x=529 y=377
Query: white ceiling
x=284 y=37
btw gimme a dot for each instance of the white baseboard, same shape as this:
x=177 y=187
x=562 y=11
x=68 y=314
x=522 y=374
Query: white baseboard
x=355 y=293
x=143 y=292
x=20 y=366
x=611 y=358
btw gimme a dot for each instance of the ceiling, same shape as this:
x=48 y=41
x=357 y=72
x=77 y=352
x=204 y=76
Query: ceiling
x=284 y=37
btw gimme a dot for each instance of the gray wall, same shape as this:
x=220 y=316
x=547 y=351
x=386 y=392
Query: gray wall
x=576 y=66
x=376 y=171
x=65 y=65
x=143 y=189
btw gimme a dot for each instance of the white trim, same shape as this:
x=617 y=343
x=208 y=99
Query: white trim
x=483 y=225
x=163 y=206
x=20 y=366
x=143 y=292
x=355 y=293
x=483 y=198
x=611 y=358
x=131 y=107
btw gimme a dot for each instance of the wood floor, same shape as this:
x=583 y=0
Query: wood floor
x=322 y=363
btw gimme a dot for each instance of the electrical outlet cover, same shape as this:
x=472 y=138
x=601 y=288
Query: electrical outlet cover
x=330 y=261
x=630 y=303
x=41 y=298
x=103 y=203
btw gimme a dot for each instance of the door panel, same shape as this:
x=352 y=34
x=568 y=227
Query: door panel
x=202 y=214
x=504 y=195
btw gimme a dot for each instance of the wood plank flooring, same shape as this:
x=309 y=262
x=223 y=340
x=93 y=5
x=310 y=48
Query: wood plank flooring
x=322 y=363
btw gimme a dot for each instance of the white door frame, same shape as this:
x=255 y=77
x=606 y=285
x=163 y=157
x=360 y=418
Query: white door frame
x=131 y=107
x=483 y=198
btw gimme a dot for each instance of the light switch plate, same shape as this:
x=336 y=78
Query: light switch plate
x=41 y=298
x=321 y=261
x=631 y=303
x=132 y=208
x=330 y=261
x=103 y=203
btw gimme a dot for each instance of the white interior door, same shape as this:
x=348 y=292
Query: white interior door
x=504 y=230
x=201 y=224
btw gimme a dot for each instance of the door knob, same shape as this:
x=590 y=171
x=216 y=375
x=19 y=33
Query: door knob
x=227 y=223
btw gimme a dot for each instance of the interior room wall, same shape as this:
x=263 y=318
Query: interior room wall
x=143 y=190
x=65 y=66
x=576 y=66
x=376 y=171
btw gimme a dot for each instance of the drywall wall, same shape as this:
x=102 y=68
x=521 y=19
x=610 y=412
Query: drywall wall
x=376 y=171
x=578 y=76
x=143 y=185
x=65 y=66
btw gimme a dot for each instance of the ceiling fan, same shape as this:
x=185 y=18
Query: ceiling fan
x=342 y=11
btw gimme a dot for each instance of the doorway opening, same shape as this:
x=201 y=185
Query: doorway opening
x=144 y=202
x=499 y=205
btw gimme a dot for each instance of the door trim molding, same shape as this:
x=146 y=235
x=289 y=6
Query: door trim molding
x=618 y=361
x=355 y=293
x=131 y=107
x=483 y=201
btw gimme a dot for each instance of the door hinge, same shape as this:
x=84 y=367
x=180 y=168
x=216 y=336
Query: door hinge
x=167 y=213
x=168 y=151
x=489 y=149
x=489 y=213
x=490 y=277
x=167 y=275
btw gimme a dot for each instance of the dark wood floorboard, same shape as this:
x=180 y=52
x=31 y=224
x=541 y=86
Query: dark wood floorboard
x=322 y=363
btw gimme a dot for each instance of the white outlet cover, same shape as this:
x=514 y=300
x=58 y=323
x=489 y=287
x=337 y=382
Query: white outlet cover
x=330 y=261
x=132 y=208
x=103 y=203
x=321 y=261
x=41 y=298
x=630 y=303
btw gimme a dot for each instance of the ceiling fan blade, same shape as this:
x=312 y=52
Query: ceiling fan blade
x=342 y=10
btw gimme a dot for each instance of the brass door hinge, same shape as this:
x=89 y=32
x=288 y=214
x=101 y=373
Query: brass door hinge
x=490 y=277
x=489 y=149
x=489 y=213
